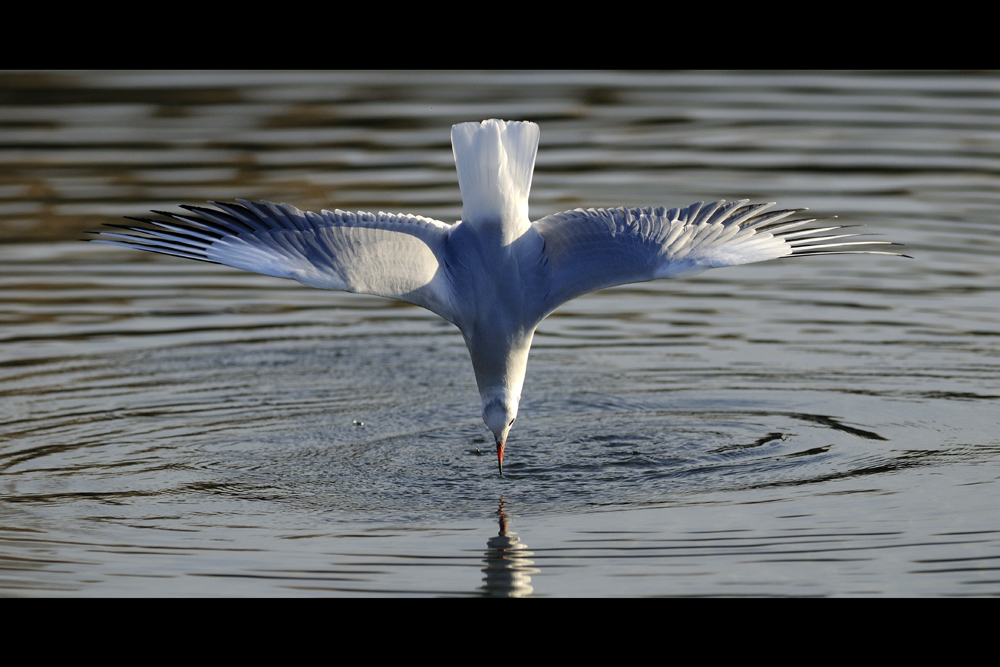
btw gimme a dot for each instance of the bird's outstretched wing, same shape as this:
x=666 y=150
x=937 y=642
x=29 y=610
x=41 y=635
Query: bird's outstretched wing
x=385 y=254
x=592 y=249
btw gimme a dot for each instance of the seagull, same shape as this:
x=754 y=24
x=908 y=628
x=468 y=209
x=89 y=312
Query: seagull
x=494 y=274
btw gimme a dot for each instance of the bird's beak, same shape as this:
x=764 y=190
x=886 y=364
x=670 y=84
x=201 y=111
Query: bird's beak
x=500 y=445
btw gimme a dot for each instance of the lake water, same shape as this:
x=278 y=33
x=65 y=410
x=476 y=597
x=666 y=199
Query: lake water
x=818 y=427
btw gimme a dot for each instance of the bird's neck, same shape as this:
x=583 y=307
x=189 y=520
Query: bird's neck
x=500 y=362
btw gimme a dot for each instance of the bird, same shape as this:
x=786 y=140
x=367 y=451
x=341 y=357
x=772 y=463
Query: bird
x=494 y=274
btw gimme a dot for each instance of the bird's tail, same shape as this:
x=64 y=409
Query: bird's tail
x=495 y=161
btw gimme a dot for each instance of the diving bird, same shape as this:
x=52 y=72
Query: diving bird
x=494 y=274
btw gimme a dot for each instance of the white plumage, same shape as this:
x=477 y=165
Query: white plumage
x=494 y=274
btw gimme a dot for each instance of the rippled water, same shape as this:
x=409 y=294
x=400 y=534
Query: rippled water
x=817 y=427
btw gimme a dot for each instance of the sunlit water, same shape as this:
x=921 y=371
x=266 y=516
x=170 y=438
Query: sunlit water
x=825 y=426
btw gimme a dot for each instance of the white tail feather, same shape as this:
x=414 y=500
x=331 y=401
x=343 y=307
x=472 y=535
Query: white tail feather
x=495 y=161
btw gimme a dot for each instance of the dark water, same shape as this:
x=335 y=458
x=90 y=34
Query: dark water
x=817 y=427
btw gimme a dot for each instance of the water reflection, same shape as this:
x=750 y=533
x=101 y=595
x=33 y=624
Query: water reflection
x=508 y=567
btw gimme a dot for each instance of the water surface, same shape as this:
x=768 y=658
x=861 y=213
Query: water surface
x=824 y=426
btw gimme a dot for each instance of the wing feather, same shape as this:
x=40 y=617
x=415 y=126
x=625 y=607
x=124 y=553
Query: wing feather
x=592 y=249
x=392 y=255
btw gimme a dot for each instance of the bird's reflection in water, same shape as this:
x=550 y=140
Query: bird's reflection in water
x=508 y=570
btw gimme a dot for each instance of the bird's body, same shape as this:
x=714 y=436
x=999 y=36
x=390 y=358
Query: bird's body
x=494 y=274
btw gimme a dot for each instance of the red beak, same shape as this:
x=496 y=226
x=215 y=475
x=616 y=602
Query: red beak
x=500 y=457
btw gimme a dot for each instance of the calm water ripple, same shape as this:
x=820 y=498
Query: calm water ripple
x=797 y=428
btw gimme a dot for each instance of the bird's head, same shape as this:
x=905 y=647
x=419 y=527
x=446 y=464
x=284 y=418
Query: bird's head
x=499 y=413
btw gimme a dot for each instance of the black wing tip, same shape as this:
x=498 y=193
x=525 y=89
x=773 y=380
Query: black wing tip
x=813 y=253
x=179 y=223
